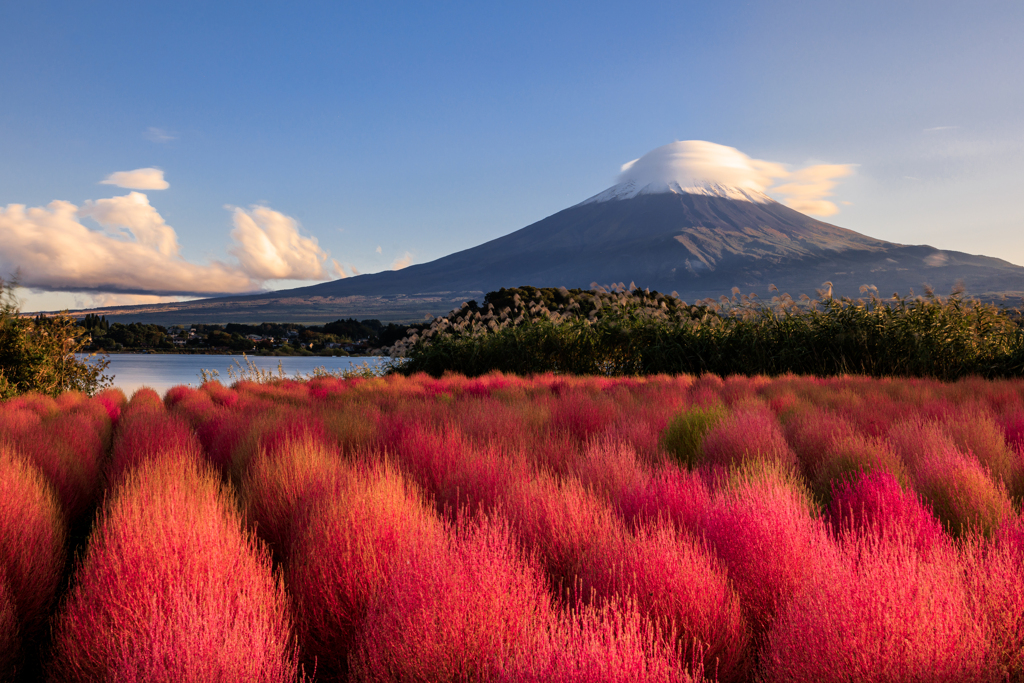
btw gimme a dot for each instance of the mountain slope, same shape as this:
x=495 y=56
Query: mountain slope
x=690 y=217
x=695 y=245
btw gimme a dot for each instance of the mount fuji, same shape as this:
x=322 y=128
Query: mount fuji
x=690 y=217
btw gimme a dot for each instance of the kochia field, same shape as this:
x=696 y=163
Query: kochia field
x=509 y=529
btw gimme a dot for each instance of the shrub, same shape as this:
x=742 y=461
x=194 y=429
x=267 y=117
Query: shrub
x=681 y=587
x=610 y=467
x=172 y=588
x=464 y=612
x=850 y=457
x=676 y=494
x=684 y=436
x=812 y=433
x=39 y=355
x=876 y=504
x=748 y=433
x=148 y=431
x=32 y=536
x=70 y=452
x=958 y=488
x=607 y=643
x=974 y=430
x=885 y=614
x=567 y=525
x=454 y=472
x=10 y=638
x=761 y=527
x=994 y=572
x=345 y=559
x=280 y=488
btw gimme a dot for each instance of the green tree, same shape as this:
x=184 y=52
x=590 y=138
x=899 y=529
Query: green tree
x=39 y=354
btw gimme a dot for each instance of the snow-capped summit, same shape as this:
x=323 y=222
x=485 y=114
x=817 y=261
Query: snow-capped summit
x=693 y=167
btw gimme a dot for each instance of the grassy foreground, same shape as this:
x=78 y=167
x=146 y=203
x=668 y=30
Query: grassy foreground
x=507 y=529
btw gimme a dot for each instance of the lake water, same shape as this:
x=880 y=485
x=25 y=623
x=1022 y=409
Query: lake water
x=163 y=371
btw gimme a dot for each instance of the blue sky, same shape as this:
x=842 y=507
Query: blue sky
x=426 y=128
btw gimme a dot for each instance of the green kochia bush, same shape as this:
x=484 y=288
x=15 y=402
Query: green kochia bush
x=634 y=333
x=685 y=433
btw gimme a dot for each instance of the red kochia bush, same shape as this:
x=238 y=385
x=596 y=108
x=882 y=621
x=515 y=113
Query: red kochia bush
x=671 y=492
x=761 y=526
x=566 y=524
x=877 y=504
x=464 y=612
x=172 y=589
x=610 y=467
x=994 y=572
x=280 y=487
x=954 y=483
x=812 y=433
x=10 y=638
x=113 y=401
x=748 y=433
x=70 y=451
x=607 y=643
x=453 y=471
x=974 y=430
x=678 y=584
x=887 y=613
x=148 y=431
x=32 y=535
x=346 y=557
x=1013 y=427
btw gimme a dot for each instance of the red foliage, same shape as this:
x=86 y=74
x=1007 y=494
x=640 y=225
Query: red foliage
x=10 y=639
x=671 y=492
x=877 y=504
x=172 y=588
x=678 y=584
x=749 y=433
x=762 y=529
x=522 y=529
x=346 y=557
x=886 y=613
x=32 y=535
x=464 y=612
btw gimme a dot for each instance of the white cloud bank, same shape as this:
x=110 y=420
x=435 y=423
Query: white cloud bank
x=269 y=247
x=139 y=179
x=702 y=167
x=136 y=252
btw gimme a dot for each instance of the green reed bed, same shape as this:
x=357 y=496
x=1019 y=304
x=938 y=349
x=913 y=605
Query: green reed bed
x=636 y=332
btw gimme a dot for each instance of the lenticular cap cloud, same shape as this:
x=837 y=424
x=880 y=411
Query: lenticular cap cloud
x=694 y=163
x=707 y=168
x=139 y=179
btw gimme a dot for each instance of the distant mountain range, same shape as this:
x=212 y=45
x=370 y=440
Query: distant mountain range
x=693 y=236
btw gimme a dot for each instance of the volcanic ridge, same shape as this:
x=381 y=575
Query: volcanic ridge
x=690 y=217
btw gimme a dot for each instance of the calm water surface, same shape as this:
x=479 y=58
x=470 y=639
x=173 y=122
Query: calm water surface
x=163 y=371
